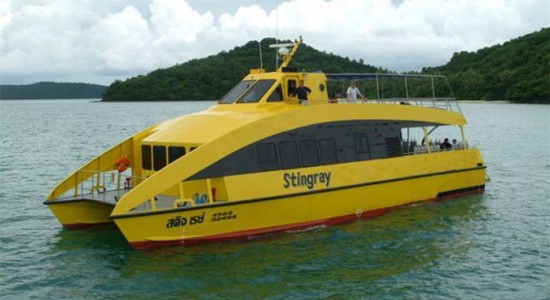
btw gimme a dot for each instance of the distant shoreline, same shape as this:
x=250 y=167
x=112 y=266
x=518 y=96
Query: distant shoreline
x=99 y=100
x=111 y=101
x=486 y=101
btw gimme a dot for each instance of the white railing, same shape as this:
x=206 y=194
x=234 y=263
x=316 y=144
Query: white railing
x=104 y=186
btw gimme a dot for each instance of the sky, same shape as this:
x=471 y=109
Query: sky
x=99 y=41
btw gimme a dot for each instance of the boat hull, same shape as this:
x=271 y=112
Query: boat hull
x=81 y=214
x=244 y=219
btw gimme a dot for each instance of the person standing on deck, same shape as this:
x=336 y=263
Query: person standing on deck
x=353 y=91
x=302 y=92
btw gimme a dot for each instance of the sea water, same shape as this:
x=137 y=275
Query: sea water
x=492 y=245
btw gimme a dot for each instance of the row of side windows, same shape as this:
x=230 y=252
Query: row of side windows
x=157 y=157
x=306 y=153
x=314 y=145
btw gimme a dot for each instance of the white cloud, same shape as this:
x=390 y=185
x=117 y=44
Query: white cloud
x=121 y=40
x=98 y=41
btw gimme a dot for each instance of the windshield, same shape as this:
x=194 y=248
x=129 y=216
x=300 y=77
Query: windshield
x=237 y=91
x=256 y=93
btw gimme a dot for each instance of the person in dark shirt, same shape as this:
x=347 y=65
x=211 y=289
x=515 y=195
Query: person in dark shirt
x=445 y=145
x=302 y=92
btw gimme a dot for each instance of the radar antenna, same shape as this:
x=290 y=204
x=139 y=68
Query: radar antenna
x=285 y=52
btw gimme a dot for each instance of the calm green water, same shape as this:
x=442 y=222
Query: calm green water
x=495 y=245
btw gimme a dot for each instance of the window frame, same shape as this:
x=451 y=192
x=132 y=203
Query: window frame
x=172 y=158
x=156 y=159
x=257 y=91
x=146 y=157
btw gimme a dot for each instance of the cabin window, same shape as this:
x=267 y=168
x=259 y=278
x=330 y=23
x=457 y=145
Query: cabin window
x=255 y=93
x=308 y=151
x=393 y=144
x=291 y=83
x=277 y=95
x=361 y=144
x=237 y=91
x=146 y=157
x=192 y=148
x=175 y=153
x=328 y=151
x=289 y=155
x=267 y=157
x=159 y=157
x=321 y=144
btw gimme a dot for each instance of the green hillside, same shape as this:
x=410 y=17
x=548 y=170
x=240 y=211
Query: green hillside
x=211 y=77
x=51 y=90
x=518 y=70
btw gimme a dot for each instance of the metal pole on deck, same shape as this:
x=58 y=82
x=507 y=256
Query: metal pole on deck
x=377 y=89
x=433 y=90
x=406 y=88
x=427 y=139
x=118 y=181
x=76 y=183
x=464 y=142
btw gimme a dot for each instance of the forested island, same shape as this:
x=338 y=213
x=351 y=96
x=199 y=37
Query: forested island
x=51 y=90
x=211 y=77
x=518 y=71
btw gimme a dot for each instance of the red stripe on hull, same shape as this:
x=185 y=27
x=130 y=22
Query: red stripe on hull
x=243 y=235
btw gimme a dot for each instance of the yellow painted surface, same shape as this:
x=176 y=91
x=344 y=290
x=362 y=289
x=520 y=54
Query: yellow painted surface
x=265 y=201
x=353 y=188
x=81 y=213
x=267 y=214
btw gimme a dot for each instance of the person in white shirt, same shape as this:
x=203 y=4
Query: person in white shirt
x=353 y=91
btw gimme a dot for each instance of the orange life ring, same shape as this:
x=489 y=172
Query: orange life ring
x=122 y=163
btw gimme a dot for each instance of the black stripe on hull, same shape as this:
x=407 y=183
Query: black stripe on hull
x=231 y=203
x=461 y=192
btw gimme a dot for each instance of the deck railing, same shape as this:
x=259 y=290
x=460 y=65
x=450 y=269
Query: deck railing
x=102 y=186
x=406 y=89
x=413 y=147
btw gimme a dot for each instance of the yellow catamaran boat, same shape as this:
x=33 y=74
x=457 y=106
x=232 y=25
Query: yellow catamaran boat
x=260 y=162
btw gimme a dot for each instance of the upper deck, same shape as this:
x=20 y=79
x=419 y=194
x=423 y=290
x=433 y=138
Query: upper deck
x=280 y=87
x=409 y=89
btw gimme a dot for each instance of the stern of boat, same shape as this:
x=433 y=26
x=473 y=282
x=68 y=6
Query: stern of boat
x=88 y=196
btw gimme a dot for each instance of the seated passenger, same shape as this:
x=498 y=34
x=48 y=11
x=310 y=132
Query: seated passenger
x=455 y=145
x=445 y=145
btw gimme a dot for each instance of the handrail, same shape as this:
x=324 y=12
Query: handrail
x=432 y=100
x=101 y=183
x=101 y=163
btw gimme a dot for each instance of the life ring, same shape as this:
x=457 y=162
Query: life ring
x=122 y=163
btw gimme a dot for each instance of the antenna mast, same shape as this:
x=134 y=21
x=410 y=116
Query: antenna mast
x=261 y=60
x=277 y=34
x=285 y=52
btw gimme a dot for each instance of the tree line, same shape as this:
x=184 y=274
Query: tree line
x=211 y=77
x=518 y=70
x=51 y=90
